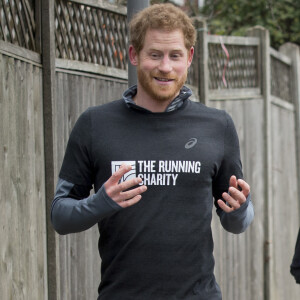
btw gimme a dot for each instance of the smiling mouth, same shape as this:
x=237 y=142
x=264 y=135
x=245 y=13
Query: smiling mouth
x=163 y=79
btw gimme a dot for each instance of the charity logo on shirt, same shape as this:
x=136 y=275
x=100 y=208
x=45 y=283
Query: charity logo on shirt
x=115 y=165
x=161 y=172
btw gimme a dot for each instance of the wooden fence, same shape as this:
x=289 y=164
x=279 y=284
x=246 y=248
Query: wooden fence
x=23 y=262
x=59 y=57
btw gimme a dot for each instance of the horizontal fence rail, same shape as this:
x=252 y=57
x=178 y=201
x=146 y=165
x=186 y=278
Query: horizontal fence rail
x=90 y=34
x=17 y=23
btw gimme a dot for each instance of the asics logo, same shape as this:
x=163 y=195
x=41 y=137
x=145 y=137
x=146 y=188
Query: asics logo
x=191 y=143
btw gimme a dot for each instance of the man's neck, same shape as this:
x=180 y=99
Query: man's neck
x=147 y=102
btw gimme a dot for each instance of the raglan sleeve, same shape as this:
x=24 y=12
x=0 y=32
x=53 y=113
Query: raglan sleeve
x=238 y=220
x=74 y=208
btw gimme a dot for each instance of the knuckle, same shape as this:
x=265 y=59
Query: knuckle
x=115 y=176
x=122 y=186
x=142 y=189
x=132 y=182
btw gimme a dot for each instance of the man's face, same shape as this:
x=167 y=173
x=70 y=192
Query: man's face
x=162 y=64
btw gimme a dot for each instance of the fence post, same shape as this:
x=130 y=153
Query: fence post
x=293 y=51
x=202 y=54
x=264 y=62
x=133 y=7
x=48 y=61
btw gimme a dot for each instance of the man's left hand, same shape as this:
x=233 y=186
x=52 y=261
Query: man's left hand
x=238 y=191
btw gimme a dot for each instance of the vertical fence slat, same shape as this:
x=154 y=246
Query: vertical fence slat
x=266 y=92
x=202 y=51
x=48 y=50
x=293 y=51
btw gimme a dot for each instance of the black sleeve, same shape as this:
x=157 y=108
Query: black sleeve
x=77 y=166
x=231 y=162
x=238 y=220
x=73 y=209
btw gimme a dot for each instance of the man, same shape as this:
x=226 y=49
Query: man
x=295 y=266
x=156 y=160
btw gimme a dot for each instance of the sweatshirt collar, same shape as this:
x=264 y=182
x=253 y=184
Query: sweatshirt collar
x=184 y=94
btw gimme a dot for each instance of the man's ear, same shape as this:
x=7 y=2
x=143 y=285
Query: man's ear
x=133 y=56
x=190 y=56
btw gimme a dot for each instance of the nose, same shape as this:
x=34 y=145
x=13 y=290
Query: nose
x=165 y=65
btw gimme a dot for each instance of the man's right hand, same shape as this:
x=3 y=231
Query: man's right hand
x=119 y=192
